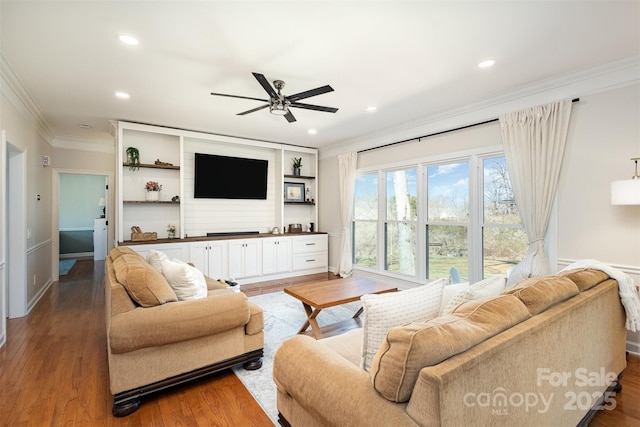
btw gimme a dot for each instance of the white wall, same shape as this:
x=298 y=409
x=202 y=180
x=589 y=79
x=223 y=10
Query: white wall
x=604 y=134
x=26 y=132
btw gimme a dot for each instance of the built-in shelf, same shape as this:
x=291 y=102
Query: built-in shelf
x=300 y=203
x=153 y=166
x=300 y=177
x=151 y=202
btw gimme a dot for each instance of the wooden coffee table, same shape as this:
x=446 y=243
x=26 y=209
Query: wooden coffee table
x=319 y=295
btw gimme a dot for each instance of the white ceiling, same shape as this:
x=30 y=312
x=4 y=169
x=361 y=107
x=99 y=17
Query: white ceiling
x=413 y=60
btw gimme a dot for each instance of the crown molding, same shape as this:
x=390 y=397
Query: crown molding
x=82 y=144
x=572 y=85
x=13 y=89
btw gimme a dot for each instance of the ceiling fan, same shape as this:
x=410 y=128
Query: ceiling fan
x=279 y=104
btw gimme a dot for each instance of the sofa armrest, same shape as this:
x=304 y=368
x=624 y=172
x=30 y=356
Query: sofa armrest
x=177 y=321
x=330 y=388
x=256 y=319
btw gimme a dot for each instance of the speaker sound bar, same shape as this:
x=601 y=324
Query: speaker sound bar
x=233 y=233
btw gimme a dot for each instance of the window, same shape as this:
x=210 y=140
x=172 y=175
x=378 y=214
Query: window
x=401 y=221
x=454 y=219
x=504 y=241
x=365 y=224
x=447 y=221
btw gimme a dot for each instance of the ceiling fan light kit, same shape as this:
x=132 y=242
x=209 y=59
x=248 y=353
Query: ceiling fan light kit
x=278 y=103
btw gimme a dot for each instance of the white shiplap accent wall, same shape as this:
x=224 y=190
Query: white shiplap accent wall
x=202 y=216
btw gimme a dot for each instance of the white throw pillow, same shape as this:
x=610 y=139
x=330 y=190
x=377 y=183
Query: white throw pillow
x=449 y=292
x=187 y=282
x=486 y=288
x=385 y=311
x=155 y=258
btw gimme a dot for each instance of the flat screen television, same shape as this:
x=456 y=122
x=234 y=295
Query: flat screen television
x=223 y=177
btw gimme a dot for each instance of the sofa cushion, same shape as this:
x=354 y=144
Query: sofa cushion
x=384 y=311
x=186 y=281
x=408 y=349
x=489 y=287
x=541 y=293
x=585 y=278
x=144 y=284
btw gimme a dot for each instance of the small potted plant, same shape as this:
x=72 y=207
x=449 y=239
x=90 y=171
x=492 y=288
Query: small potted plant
x=153 y=190
x=171 y=231
x=297 y=165
x=133 y=158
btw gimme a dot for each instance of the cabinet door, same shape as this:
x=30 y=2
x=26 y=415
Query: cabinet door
x=283 y=257
x=252 y=257
x=269 y=256
x=198 y=253
x=216 y=260
x=236 y=263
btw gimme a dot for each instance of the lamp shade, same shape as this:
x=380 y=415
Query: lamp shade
x=101 y=202
x=625 y=192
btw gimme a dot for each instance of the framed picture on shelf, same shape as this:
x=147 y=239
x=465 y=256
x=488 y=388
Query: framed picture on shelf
x=293 y=192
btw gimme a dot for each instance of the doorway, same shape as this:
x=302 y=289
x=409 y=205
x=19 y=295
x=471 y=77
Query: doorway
x=80 y=200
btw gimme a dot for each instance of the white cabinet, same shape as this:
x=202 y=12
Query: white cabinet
x=210 y=257
x=310 y=252
x=245 y=258
x=276 y=255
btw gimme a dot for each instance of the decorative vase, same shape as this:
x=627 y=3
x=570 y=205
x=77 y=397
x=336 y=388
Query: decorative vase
x=152 y=196
x=296 y=171
x=171 y=235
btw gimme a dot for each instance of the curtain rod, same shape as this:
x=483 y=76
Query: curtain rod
x=437 y=133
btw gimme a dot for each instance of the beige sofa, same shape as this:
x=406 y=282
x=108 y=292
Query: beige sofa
x=540 y=354
x=155 y=341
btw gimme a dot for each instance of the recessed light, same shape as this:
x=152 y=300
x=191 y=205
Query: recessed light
x=122 y=95
x=312 y=131
x=128 y=39
x=84 y=126
x=371 y=108
x=486 y=63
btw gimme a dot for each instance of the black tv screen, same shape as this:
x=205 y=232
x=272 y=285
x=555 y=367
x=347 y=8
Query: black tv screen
x=223 y=177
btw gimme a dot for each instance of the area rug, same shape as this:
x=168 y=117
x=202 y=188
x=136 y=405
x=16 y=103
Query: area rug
x=65 y=265
x=283 y=316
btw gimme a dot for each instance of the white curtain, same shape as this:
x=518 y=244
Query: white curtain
x=347 y=168
x=534 y=141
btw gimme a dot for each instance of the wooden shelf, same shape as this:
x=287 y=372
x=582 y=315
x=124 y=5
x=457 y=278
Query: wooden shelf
x=300 y=203
x=300 y=177
x=151 y=202
x=153 y=166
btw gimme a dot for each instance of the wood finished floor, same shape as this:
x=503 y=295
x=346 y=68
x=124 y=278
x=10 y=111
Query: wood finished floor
x=53 y=370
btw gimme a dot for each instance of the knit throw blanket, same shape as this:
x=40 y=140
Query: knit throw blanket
x=626 y=288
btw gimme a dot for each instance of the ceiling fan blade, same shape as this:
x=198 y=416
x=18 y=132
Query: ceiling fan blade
x=290 y=117
x=313 y=107
x=265 y=85
x=310 y=93
x=241 y=97
x=252 y=110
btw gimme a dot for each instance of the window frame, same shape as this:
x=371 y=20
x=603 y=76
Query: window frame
x=475 y=224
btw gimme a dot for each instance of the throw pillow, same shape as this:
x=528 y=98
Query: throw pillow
x=450 y=291
x=486 y=288
x=385 y=311
x=187 y=282
x=155 y=258
x=144 y=284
